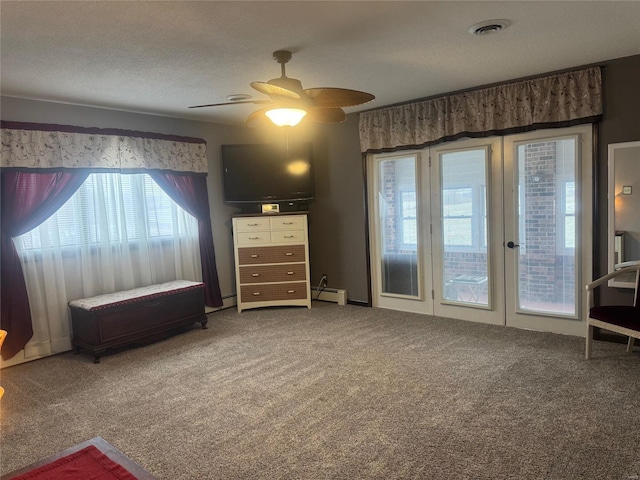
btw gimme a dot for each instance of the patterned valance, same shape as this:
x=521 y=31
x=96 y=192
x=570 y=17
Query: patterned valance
x=38 y=146
x=556 y=100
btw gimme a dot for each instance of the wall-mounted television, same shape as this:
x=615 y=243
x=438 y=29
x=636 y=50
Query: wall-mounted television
x=255 y=174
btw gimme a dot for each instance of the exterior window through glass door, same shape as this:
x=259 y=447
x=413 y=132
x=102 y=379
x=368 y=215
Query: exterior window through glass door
x=397 y=204
x=464 y=227
x=546 y=249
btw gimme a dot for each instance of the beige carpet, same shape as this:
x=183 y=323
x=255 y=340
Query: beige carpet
x=338 y=393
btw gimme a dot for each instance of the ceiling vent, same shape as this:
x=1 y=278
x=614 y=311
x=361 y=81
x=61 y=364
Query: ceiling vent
x=488 y=27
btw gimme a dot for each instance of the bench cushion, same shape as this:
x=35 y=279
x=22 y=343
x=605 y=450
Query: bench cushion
x=109 y=300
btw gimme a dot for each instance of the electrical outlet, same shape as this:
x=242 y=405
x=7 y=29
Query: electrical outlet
x=324 y=280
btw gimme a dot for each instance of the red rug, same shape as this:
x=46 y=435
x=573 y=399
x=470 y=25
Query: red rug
x=86 y=464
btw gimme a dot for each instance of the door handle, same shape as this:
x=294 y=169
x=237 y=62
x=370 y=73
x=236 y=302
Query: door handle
x=510 y=244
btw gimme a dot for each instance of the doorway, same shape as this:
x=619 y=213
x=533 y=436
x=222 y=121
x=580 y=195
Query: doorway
x=494 y=230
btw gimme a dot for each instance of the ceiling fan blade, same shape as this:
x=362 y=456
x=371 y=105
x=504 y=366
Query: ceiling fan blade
x=337 y=97
x=271 y=89
x=232 y=103
x=256 y=118
x=326 y=115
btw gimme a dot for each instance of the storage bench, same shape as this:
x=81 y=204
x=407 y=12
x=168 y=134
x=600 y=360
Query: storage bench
x=121 y=318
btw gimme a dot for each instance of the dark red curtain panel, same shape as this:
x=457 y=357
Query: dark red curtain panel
x=28 y=199
x=190 y=192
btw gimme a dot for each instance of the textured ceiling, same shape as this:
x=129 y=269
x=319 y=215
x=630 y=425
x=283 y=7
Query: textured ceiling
x=161 y=57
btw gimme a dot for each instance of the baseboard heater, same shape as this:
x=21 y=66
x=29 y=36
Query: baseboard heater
x=334 y=295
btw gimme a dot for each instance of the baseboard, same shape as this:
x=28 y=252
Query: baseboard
x=334 y=295
x=358 y=303
x=227 y=302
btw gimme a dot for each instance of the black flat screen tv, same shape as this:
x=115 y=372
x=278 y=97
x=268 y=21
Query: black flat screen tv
x=263 y=173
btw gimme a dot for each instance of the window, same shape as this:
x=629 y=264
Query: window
x=569 y=214
x=408 y=216
x=483 y=200
x=457 y=216
x=464 y=216
x=565 y=171
x=110 y=209
x=398 y=224
x=398 y=204
x=464 y=200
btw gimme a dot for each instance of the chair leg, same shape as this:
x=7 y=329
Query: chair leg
x=589 y=340
x=630 y=344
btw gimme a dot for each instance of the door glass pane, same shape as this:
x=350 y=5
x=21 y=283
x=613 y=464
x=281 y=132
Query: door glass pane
x=398 y=213
x=464 y=227
x=546 y=225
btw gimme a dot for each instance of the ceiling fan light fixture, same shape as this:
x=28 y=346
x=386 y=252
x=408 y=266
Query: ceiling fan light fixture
x=285 y=117
x=289 y=103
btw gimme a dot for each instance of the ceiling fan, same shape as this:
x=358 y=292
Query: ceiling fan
x=290 y=103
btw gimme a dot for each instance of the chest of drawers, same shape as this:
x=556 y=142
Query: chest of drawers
x=272 y=260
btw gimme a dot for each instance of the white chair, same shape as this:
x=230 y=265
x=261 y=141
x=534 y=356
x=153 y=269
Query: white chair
x=623 y=319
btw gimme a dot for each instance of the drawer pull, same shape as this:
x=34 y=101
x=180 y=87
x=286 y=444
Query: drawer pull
x=289 y=254
x=254 y=238
x=255 y=274
x=256 y=294
x=289 y=273
x=254 y=256
x=291 y=291
x=287 y=223
x=252 y=224
x=288 y=236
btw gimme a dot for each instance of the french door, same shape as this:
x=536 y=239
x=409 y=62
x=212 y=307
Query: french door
x=491 y=230
x=467 y=229
x=548 y=235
